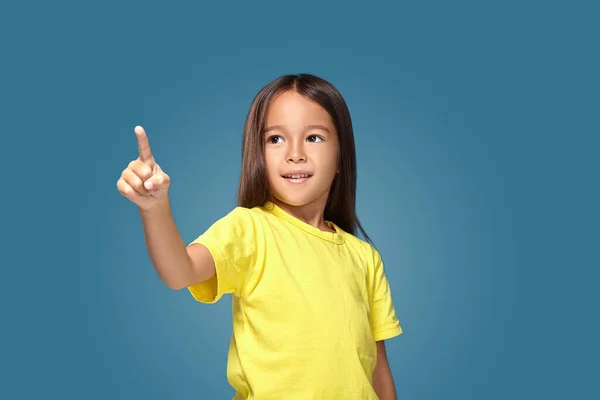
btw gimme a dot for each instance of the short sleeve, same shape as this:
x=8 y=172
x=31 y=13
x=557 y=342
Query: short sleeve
x=384 y=323
x=232 y=243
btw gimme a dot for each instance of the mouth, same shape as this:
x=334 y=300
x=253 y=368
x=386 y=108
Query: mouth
x=298 y=177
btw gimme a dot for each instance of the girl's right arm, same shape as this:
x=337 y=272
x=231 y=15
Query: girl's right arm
x=145 y=184
x=177 y=266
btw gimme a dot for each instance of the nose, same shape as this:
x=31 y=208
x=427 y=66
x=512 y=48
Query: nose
x=296 y=154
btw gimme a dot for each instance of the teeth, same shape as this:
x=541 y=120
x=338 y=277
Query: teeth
x=297 y=176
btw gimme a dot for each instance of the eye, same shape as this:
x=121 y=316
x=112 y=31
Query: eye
x=315 y=139
x=275 y=139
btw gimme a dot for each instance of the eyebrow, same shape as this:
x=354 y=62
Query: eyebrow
x=309 y=127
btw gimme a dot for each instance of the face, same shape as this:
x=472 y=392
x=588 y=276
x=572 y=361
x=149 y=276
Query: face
x=301 y=150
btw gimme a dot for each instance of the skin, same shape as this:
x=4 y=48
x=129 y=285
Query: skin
x=299 y=135
x=383 y=382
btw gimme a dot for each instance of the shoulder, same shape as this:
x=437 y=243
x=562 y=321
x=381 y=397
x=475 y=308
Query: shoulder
x=365 y=250
x=246 y=220
x=239 y=221
x=242 y=215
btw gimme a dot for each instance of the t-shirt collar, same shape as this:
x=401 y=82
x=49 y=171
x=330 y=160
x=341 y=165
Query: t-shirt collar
x=334 y=237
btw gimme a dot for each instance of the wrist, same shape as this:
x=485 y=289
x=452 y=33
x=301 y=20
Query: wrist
x=157 y=208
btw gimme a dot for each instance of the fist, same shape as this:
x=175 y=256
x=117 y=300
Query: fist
x=143 y=182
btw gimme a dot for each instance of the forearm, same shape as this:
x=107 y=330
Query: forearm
x=165 y=245
x=383 y=383
x=385 y=389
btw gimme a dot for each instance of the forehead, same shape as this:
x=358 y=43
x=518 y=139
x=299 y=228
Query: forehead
x=291 y=108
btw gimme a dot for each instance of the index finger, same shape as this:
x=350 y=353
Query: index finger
x=143 y=144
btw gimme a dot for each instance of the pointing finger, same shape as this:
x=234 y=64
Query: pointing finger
x=143 y=144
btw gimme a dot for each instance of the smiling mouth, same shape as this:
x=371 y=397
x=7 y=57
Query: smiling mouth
x=296 y=176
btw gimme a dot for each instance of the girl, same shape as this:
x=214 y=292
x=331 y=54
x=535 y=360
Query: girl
x=311 y=302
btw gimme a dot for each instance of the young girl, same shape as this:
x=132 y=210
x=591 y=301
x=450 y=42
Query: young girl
x=311 y=302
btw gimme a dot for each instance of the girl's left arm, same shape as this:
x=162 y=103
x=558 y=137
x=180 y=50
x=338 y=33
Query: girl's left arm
x=383 y=382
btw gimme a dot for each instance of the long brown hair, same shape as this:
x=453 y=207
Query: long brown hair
x=253 y=189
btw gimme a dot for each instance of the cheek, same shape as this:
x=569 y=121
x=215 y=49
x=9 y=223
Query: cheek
x=271 y=164
x=329 y=161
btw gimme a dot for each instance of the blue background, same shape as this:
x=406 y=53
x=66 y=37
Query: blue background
x=478 y=181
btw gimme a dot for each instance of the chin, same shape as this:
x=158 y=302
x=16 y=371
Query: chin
x=299 y=197
x=294 y=202
x=297 y=201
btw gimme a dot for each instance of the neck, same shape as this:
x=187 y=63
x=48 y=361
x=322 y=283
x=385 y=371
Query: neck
x=311 y=213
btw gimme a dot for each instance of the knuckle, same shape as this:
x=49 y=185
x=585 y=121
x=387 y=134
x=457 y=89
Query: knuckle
x=127 y=176
x=130 y=175
x=135 y=182
x=123 y=187
x=163 y=179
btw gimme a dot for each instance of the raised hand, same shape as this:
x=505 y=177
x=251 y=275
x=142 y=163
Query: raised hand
x=143 y=182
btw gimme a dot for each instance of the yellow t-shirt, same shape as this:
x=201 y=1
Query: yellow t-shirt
x=308 y=306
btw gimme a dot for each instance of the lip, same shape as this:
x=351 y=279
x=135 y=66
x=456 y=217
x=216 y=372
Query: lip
x=297 y=180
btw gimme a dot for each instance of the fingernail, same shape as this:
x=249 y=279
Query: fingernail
x=148 y=185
